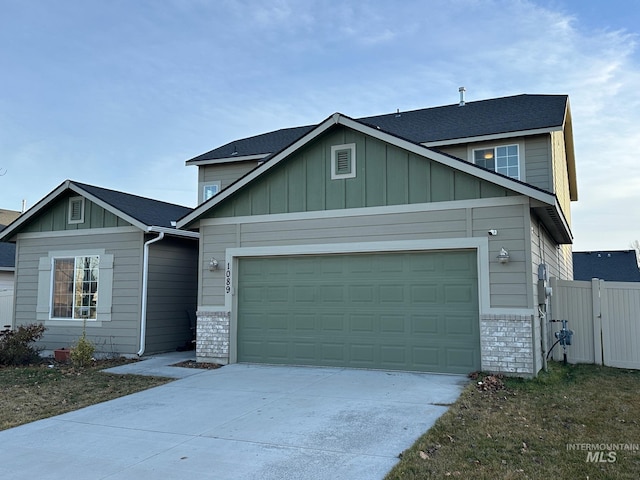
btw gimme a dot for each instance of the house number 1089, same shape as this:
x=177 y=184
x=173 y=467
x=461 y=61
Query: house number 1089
x=227 y=278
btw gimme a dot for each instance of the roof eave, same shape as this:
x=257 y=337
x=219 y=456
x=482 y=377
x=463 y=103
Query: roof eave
x=494 y=136
x=235 y=159
x=570 y=154
x=555 y=222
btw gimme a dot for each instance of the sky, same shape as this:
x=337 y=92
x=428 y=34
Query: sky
x=120 y=93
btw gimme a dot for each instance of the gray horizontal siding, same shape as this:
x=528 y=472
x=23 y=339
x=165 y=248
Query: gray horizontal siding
x=509 y=283
x=172 y=291
x=226 y=174
x=537 y=165
x=118 y=335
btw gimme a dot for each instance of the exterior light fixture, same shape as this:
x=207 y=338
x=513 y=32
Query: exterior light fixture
x=213 y=264
x=503 y=256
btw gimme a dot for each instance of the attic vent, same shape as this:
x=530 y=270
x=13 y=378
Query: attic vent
x=343 y=161
x=76 y=210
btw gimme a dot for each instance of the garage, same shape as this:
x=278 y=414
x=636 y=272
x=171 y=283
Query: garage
x=415 y=311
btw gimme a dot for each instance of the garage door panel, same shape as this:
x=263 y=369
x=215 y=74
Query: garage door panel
x=459 y=293
x=425 y=325
x=275 y=294
x=332 y=353
x=394 y=358
x=304 y=323
x=362 y=355
x=305 y=351
x=361 y=294
x=333 y=323
x=459 y=325
x=392 y=294
x=425 y=293
x=278 y=351
x=304 y=294
x=393 y=324
x=361 y=324
x=460 y=359
x=425 y=358
x=406 y=311
x=332 y=293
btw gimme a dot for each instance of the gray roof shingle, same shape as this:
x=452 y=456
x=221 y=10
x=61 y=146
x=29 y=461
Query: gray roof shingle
x=612 y=265
x=146 y=210
x=449 y=122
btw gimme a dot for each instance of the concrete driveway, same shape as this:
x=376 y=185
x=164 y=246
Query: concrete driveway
x=237 y=422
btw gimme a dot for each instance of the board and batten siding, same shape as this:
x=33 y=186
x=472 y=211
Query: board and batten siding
x=121 y=333
x=509 y=284
x=56 y=217
x=385 y=175
x=171 y=293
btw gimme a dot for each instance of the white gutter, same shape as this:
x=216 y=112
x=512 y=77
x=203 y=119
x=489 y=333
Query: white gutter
x=145 y=281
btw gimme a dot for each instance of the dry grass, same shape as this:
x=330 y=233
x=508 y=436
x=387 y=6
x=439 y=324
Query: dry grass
x=521 y=429
x=34 y=392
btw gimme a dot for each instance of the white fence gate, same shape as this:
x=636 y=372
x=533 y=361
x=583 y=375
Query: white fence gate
x=6 y=307
x=605 y=317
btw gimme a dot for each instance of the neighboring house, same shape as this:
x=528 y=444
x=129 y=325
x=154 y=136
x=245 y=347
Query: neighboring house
x=613 y=266
x=7 y=269
x=107 y=259
x=407 y=241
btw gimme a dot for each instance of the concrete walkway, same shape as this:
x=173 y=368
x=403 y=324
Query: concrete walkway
x=237 y=422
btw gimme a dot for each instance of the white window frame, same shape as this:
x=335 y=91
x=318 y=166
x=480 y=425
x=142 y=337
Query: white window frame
x=335 y=149
x=210 y=185
x=495 y=149
x=77 y=291
x=73 y=200
x=44 y=306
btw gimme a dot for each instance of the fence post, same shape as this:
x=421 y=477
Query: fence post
x=597 y=320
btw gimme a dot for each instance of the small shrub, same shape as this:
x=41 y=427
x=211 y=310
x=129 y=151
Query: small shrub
x=82 y=352
x=16 y=346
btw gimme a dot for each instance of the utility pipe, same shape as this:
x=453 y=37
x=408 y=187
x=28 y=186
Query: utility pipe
x=145 y=282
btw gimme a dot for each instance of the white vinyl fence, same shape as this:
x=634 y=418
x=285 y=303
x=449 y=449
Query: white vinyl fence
x=6 y=307
x=605 y=318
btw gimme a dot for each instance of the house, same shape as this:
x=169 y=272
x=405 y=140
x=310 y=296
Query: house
x=613 y=266
x=7 y=269
x=412 y=241
x=108 y=261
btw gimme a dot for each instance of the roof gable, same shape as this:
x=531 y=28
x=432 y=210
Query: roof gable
x=384 y=175
x=614 y=266
x=543 y=199
x=104 y=208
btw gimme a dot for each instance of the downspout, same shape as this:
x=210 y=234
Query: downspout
x=145 y=282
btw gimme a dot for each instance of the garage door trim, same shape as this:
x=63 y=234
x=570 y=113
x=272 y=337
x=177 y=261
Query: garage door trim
x=481 y=245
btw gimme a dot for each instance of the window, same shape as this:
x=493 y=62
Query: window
x=343 y=161
x=76 y=210
x=503 y=159
x=75 y=285
x=75 y=288
x=210 y=190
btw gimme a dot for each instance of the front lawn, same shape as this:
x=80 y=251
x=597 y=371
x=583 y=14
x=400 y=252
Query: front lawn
x=40 y=391
x=564 y=424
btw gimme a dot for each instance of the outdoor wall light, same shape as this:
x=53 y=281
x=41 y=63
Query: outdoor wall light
x=503 y=256
x=213 y=264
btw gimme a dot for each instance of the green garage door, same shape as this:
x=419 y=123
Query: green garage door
x=399 y=311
